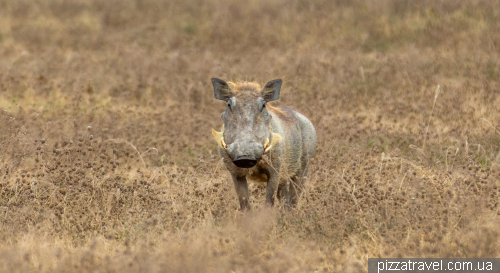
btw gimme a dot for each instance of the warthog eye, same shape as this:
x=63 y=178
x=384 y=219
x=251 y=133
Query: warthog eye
x=230 y=103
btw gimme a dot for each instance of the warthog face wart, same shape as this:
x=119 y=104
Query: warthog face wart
x=247 y=122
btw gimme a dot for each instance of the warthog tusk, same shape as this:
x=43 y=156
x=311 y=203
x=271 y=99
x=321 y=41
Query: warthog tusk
x=218 y=137
x=276 y=138
x=222 y=143
x=267 y=143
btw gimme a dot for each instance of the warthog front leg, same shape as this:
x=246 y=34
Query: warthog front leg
x=272 y=187
x=296 y=186
x=282 y=191
x=241 y=186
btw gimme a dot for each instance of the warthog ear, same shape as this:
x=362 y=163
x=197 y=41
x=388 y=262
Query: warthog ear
x=222 y=91
x=271 y=90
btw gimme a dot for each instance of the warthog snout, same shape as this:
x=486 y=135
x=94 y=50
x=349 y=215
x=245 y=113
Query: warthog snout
x=245 y=154
x=245 y=161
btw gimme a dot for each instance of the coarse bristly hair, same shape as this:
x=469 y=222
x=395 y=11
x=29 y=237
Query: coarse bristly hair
x=244 y=87
x=253 y=89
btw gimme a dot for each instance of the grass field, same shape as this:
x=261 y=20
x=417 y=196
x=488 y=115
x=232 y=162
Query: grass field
x=107 y=163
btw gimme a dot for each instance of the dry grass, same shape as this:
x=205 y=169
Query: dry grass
x=398 y=172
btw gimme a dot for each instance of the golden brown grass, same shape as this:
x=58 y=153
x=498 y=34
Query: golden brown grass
x=399 y=171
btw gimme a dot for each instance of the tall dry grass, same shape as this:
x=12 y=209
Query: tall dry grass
x=399 y=171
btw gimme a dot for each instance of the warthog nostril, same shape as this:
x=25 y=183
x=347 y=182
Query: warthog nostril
x=245 y=161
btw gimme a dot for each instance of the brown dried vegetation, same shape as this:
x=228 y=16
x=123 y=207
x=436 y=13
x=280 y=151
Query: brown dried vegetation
x=403 y=168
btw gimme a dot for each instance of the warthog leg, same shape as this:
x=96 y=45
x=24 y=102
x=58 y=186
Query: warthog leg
x=295 y=190
x=272 y=186
x=241 y=186
x=282 y=191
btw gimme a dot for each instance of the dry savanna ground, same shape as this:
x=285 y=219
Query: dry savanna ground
x=107 y=163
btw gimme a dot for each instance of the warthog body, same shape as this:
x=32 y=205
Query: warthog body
x=262 y=142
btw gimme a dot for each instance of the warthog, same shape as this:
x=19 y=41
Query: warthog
x=261 y=142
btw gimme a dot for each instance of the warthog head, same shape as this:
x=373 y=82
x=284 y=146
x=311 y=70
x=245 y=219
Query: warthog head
x=247 y=122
